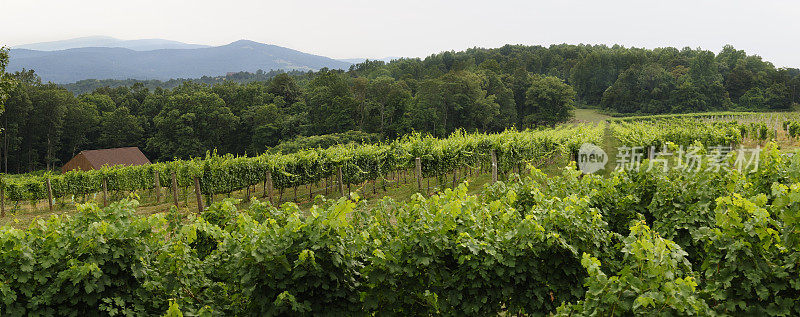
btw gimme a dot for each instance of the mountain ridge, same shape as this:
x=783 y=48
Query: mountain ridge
x=74 y=64
x=107 y=41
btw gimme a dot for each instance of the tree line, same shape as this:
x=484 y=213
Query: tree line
x=90 y=85
x=46 y=125
x=475 y=90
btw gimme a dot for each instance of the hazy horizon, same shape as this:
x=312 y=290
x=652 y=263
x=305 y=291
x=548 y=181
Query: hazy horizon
x=378 y=29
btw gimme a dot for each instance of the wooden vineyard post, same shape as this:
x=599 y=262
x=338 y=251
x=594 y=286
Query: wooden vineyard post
x=247 y=194
x=198 y=195
x=2 y=198
x=269 y=185
x=455 y=171
x=157 y=186
x=339 y=178
x=49 y=194
x=418 y=172
x=494 y=167
x=105 y=193
x=175 y=188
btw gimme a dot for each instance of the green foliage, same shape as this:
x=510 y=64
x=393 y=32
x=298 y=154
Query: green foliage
x=225 y=174
x=744 y=268
x=325 y=141
x=90 y=264
x=645 y=89
x=794 y=129
x=720 y=243
x=190 y=124
x=712 y=115
x=330 y=104
x=297 y=264
x=656 y=279
x=456 y=254
x=684 y=131
x=548 y=101
x=6 y=82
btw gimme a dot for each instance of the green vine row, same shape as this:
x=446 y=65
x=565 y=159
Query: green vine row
x=220 y=174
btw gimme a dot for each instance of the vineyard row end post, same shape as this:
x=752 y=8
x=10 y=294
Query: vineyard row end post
x=157 y=186
x=175 y=188
x=2 y=198
x=494 y=167
x=418 y=172
x=49 y=194
x=339 y=178
x=247 y=193
x=199 y=195
x=105 y=192
x=270 y=186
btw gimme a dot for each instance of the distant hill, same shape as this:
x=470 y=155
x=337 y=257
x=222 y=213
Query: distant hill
x=70 y=65
x=107 y=41
x=361 y=60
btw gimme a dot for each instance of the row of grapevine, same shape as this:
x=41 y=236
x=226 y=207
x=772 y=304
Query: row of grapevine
x=773 y=119
x=225 y=174
x=757 y=131
x=681 y=131
x=711 y=116
x=637 y=243
x=792 y=128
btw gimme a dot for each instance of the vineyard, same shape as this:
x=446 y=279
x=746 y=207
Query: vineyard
x=715 y=128
x=348 y=158
x=632 y=242
x=332 y=171
x=340 y=165
x=639 y=242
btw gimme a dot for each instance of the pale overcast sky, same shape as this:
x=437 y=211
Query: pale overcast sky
x=413 y=28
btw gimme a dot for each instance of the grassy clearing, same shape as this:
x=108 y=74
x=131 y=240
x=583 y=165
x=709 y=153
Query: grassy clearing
x=590 y=115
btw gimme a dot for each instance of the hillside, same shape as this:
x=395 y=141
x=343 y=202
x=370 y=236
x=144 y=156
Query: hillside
x=70 y=65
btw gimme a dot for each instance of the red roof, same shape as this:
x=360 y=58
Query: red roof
x=96 y=159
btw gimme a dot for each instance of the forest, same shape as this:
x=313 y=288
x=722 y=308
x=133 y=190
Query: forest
x=486 y=90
